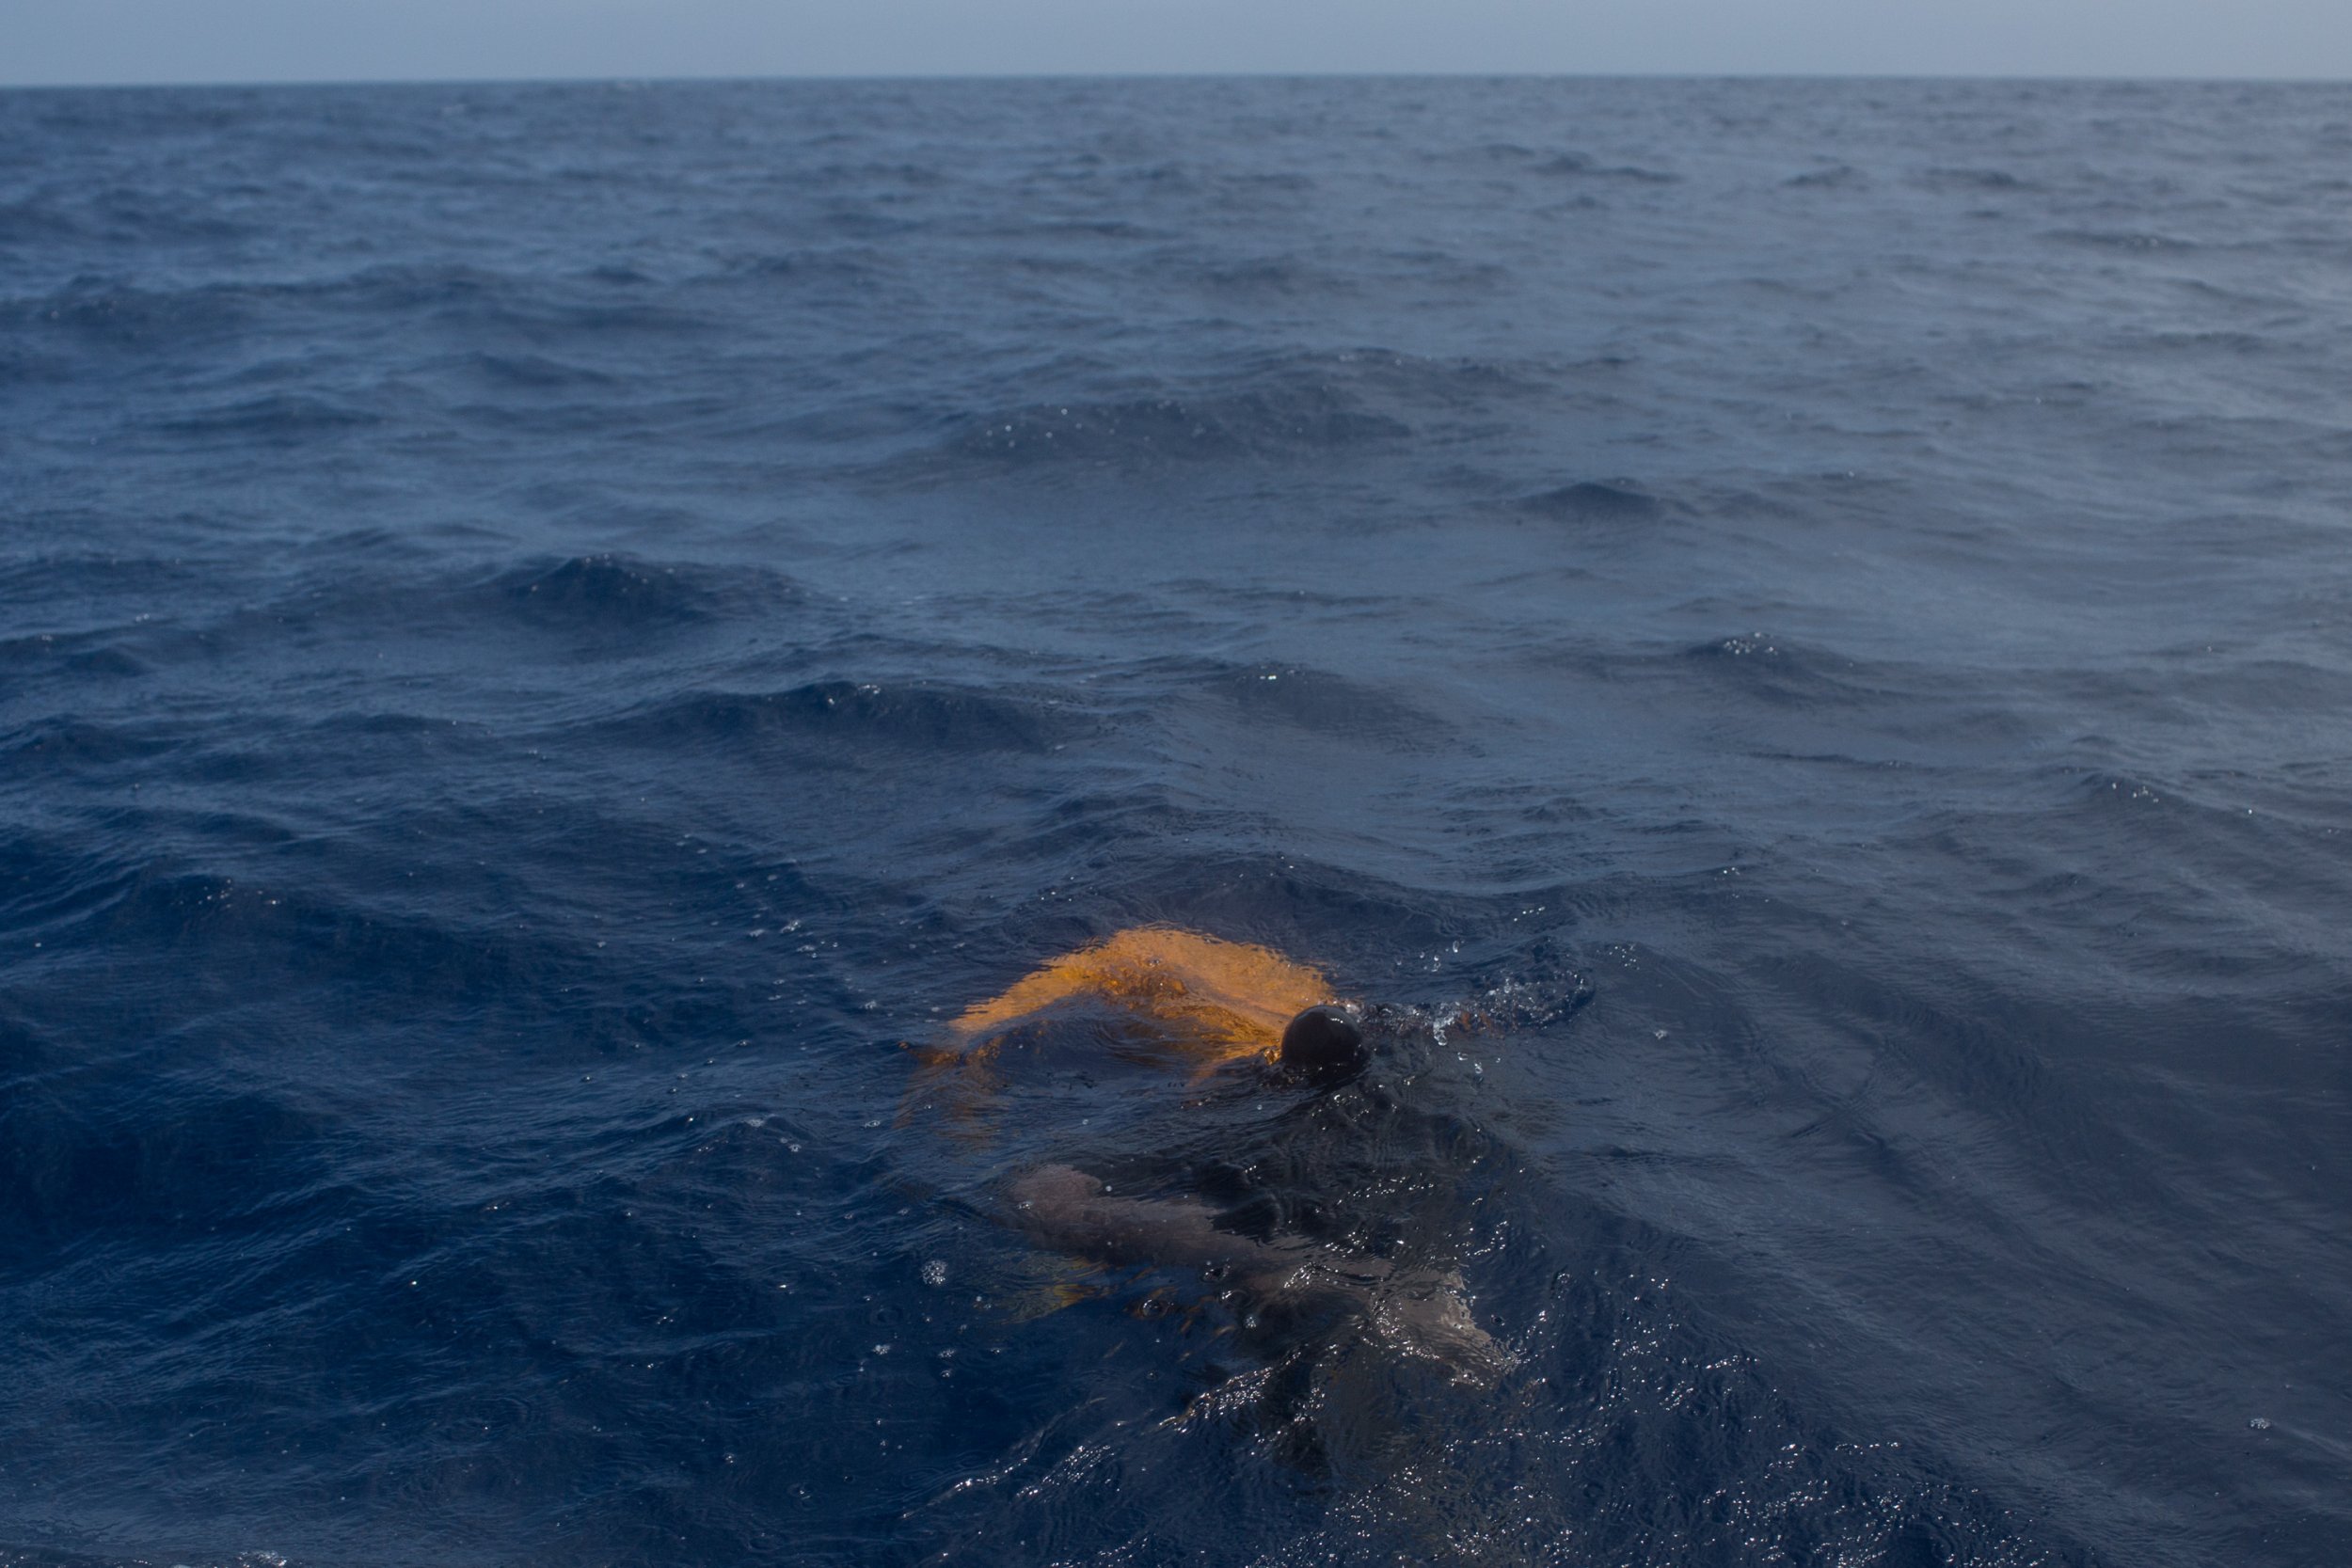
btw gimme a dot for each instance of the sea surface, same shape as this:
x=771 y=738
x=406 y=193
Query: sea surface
x=1798 y=633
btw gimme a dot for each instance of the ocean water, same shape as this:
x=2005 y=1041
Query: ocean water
x=550 y=635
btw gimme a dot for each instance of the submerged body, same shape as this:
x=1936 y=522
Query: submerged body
x=1422 y=1312
x=1304 y=1254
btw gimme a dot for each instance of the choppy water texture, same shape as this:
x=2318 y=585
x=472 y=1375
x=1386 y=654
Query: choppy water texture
x=548 y=630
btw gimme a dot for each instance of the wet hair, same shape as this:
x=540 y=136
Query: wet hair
x=1325 y=1042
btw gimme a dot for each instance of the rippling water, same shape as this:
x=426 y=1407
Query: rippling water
x=544 y=631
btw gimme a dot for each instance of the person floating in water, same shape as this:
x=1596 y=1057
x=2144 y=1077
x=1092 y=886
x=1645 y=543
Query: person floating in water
x=1297 y=1220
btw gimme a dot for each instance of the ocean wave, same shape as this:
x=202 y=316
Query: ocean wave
x=1326 y=704
x=1835 y=177
x=1289 y=406
x=278 y=417
x=1280 y=420
x=608 y=593
x=536 y=373
x=108 y=314
x=1778 y=670
x=1582 y=166
x=1962 y=179
x=81 y=745
x=931 y=718
x=1593 y=501
x=152 y=1169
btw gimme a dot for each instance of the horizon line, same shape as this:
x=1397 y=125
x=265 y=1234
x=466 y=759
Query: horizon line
x=738 y=78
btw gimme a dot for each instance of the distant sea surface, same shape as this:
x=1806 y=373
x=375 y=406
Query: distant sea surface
x=550 y=636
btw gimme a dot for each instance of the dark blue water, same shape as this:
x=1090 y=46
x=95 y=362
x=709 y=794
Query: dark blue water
x=545 y=630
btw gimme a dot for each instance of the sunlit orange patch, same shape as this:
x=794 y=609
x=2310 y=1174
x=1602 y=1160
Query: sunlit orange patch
x=1233 y=997
x=1215 y=1000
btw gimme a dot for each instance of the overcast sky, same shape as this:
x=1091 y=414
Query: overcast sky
x=49 y=42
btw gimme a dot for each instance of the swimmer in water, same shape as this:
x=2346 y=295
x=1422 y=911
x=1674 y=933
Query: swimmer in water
x=1246 y=1015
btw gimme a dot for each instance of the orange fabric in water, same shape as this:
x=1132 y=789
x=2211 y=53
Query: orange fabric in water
x=1232 y=997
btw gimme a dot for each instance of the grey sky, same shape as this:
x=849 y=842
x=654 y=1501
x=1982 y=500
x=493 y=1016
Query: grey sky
x=47 y=41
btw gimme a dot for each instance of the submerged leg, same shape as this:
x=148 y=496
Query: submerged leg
x=1420 y=1312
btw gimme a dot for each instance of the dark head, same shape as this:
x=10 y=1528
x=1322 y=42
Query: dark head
x=1325 y=1042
